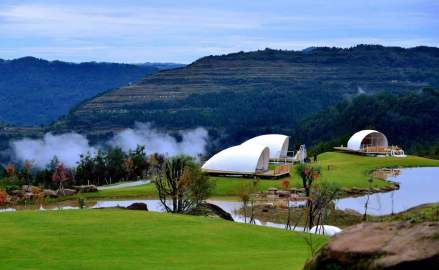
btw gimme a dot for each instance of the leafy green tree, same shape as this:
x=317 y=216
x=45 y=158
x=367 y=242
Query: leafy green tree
x=182 y=182
x=115 y=161
x=308 y=174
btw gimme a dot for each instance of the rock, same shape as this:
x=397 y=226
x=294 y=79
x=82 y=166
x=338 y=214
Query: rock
x=212 y=210
x=387 y=245
x=353 y=212
x=272 y=191
x=17 y=193
x=26 y=188
x=296 y=190
x=138 y=206
x=66 y=192
x=283 y=194
x=28 y=195
x=86 y=188
x=272 y=196
x=50 y=193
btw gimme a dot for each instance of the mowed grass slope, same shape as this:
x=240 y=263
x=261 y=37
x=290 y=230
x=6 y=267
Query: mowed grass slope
x=121 y=239
x=349 y=170
x=346 y=170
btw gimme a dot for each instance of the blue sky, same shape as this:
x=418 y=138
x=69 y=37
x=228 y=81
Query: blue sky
x=182 y=31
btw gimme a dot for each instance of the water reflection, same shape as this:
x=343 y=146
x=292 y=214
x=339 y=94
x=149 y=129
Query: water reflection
x=417 y=186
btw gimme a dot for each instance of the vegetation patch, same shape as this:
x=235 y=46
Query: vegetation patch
x=118 y=239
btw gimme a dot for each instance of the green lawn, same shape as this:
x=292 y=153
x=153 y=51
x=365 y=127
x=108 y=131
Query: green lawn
x=349 y=170
x=344 y=169
x=121 y=239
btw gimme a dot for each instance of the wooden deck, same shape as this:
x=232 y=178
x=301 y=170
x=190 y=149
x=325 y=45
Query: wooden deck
x=280 y=171
x=272 y=174
x=375 y=151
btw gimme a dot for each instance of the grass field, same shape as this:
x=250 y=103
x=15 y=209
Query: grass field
x=346 y=170
x=349 y=170
x=121 y=239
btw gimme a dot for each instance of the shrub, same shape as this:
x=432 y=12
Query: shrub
x=3 y=196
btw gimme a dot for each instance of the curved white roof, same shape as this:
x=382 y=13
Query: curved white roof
x=374 y=138
x=241 y=159
x=277 y=143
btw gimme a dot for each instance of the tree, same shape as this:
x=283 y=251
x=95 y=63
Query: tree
x=60 y=175
x=308 y=174
x=115 y=161
x=139 y=162
x=27 y=166
x=181 y=181
x=322 y=196
x=10 y=170
x=85 y=169
x=3 y=197
x=156 y=162
x=246 y=193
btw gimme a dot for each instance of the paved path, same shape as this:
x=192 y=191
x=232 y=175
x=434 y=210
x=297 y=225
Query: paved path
x=125 y=184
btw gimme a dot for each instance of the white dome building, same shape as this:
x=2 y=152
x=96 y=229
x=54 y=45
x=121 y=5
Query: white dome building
x=241 y=159
x=277 y=143
x=367 y=139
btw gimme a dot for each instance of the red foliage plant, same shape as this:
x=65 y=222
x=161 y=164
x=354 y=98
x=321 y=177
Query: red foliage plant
x=10 y=169
x=3 y=196
x=285 y=184
x=60 y=174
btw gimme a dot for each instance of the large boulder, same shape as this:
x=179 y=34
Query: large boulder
x=138 y=206
x=212 y=210
x=388 y=245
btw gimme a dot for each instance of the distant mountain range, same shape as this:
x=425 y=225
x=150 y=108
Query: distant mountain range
x=36 y=91
x=161 y=66
x=243 y=94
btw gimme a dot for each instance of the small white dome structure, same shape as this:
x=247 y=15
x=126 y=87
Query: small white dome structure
x=277 y=143
x=241 y=159
x=367 y=138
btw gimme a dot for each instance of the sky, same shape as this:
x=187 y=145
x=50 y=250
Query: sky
x=182 y=31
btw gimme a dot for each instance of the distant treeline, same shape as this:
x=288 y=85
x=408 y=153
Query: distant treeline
x=36 y=91
x=105 y=167
x=410 y=120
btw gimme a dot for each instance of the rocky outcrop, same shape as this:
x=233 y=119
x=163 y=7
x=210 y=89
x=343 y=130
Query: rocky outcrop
x=389 y=245
x=211 y=210
x=66 y=192
x=138 y=206
x=50 y=193
x=86 y=188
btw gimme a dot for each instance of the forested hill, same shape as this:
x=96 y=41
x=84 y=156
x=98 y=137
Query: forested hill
x=242 y=94
x=410 y=120
x=36 y=91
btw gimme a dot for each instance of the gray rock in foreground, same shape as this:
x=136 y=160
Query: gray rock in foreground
x=211 y=210
x=388 y=245
x=138 y=206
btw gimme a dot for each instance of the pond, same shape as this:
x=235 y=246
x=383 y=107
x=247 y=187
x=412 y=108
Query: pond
x=231 y=207
x=417 y=186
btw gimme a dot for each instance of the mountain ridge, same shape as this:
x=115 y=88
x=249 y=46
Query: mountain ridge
x=242 y=94
x=37 y=91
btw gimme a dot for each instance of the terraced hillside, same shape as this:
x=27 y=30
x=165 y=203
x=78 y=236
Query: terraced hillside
x=241 y=94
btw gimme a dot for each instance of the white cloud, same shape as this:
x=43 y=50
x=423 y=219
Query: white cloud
x=135 y=31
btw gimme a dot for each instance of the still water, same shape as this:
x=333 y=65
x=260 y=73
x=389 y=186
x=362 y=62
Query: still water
x=417 y=186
